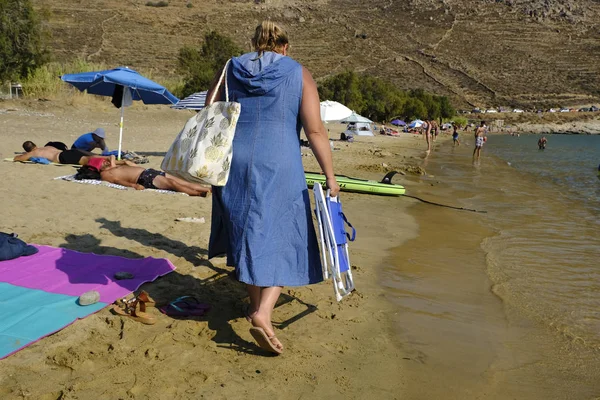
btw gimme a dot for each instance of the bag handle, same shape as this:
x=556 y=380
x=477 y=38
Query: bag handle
x=214 y=93
x=350 y=237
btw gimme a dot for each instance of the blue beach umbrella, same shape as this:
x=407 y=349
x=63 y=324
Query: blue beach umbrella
x=398 y=122
x=123 y=85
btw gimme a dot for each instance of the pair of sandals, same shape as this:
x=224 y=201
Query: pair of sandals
x=263 y=340
x=135 y=308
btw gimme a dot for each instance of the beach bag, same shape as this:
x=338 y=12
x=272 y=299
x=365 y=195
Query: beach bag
x=203 y=149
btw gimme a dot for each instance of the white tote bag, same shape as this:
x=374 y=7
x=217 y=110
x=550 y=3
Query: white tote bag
x=203 y=149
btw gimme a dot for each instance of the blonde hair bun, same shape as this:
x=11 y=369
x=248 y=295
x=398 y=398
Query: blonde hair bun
x=269 y=37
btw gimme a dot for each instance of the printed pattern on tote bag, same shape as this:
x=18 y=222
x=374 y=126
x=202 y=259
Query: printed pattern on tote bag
x=203 y=149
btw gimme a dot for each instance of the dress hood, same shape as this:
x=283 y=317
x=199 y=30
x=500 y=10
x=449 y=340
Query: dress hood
x=260 y=75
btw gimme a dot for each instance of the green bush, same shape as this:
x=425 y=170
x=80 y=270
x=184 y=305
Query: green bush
x=380 y=100
x=189 y=5
x=22 y=40
x=45 y=81
x=199 y=66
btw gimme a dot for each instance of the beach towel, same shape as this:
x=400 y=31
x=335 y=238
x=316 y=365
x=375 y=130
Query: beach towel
x=37 y=161
x=71 y=178
x=38 y=293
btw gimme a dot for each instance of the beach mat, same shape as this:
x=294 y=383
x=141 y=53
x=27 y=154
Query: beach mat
x=71 y=178
x=38 y=293
x=31 y=162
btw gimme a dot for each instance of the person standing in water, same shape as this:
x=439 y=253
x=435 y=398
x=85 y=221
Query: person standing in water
x=262 y=218
x=542 y=143
x=455 y=140
x=479 y=140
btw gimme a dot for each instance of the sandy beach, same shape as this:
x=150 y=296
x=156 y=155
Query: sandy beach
x=333 y=350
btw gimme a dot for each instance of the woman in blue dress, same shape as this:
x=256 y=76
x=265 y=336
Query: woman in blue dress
x=262 y=218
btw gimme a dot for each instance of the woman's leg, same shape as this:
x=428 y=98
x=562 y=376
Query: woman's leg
x=266 y=303
x=254 y=295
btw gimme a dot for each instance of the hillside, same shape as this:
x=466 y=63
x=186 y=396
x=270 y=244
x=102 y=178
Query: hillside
x=480 y=53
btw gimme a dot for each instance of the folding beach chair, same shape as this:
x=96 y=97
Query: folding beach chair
x=334 y=242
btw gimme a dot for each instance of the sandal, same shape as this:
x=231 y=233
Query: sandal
x=185 y=306
x=143 y=297
x=265 y=341
x=129 y=309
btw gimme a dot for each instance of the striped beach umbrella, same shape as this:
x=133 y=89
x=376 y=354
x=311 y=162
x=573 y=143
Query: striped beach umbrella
x=194 y=101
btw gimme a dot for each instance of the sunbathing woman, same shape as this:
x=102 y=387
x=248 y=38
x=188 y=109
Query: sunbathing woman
x=131 y=175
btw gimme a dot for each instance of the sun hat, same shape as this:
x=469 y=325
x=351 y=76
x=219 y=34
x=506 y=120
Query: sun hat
x=100 y=133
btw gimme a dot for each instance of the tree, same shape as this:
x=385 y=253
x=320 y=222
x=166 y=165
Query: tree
x=380 y=100
x=446 y=109
x=22 y=47
x=199 y=66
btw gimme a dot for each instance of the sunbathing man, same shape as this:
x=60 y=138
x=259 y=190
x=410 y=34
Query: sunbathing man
x=137 y=177
x=52 y=154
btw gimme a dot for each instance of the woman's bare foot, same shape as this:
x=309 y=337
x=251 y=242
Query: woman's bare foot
x=260 y=320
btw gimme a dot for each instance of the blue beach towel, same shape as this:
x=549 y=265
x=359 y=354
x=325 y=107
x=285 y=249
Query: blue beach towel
x=39 y=160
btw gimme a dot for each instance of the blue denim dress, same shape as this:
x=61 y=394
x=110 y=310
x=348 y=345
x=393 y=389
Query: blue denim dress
x=262 y=218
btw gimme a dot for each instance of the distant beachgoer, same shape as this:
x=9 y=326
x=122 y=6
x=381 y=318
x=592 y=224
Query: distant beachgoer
x=52 y=154
x=479 y=139
x=90 y=141
x=130 y=175
x=435 y=128
x=542 y=143
x=426 y=129
x=455 y=140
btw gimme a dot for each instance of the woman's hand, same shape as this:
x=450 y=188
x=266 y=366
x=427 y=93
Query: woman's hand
x=333 y=186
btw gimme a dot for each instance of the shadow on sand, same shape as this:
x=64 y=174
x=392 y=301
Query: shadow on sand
x=221 y=290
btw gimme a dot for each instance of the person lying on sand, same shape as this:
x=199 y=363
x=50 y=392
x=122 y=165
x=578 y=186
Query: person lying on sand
x=52 y=154
x=130 y=175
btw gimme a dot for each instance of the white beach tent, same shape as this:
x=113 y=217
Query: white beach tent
x=334 y=111
x=358 y=125
x=359 y=128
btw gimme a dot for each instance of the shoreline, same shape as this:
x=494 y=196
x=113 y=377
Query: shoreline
x=346 y=349
x=483 y=345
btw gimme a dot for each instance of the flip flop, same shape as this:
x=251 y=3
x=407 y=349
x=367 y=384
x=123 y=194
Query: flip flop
x=264 y=341
x=185 y=306
x=130 y=310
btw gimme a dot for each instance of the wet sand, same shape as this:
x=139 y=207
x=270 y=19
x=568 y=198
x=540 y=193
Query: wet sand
x=333 y=350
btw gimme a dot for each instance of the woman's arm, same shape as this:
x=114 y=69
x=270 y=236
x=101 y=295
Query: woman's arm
x=310 y=114
x=213 y=86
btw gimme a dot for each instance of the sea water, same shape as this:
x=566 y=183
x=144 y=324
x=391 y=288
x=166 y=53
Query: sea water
x=546 y=207
x=536 y=251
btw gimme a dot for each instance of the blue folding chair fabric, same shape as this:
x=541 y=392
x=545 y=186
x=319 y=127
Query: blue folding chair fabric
x=334 y=242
